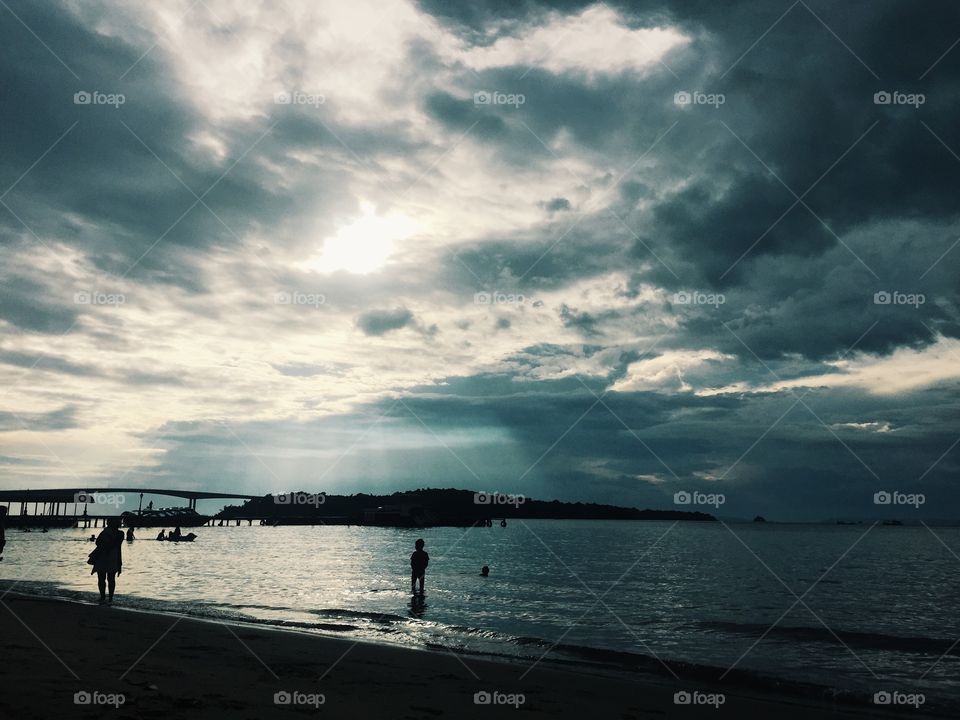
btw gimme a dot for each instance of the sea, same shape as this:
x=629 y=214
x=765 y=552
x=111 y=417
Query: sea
x=834 y=611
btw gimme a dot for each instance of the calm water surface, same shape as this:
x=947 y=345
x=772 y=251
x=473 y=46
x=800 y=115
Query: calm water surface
x=884 y=616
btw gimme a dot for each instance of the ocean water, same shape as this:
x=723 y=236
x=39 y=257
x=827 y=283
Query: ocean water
x=686 y=598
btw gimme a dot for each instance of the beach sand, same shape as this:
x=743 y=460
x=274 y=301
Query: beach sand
x=169 y=666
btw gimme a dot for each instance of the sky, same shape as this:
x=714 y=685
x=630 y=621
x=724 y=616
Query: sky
x=602 y=252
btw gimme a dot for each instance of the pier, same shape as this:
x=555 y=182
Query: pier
x=83 y=507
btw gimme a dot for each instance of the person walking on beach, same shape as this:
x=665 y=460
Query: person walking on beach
x=108 y=560
x=418 y=566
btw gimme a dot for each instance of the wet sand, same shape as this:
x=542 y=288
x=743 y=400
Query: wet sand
x=167 y=666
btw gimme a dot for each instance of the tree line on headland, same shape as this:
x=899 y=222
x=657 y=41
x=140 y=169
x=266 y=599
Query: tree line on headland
x=431 y=507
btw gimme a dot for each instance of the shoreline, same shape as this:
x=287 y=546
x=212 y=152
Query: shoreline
x=189 y=665
x=576 y=658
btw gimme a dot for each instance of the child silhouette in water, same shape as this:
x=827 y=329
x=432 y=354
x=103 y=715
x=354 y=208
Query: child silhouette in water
x=418 y=566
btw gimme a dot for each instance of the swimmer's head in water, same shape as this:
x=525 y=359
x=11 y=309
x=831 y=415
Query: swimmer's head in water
x=419 y=544
x=485 y=571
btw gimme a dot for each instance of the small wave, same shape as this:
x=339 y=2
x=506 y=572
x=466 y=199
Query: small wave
x=853 y=638
x=325 y=627
x=359 y=614
x=250 y=606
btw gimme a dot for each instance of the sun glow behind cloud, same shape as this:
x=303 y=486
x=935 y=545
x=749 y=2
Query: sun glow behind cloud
x=365 y=244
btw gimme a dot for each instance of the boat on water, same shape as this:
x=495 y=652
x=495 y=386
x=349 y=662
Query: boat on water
x=189 y=537
x=164 y=517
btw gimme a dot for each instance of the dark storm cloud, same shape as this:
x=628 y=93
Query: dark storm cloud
x=379 y=322
x=769 y=454
x=802 y=468
x=28 y=304
x=799 y=116
x=586 y=322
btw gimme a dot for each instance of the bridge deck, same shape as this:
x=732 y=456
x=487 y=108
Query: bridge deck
x=69 y=495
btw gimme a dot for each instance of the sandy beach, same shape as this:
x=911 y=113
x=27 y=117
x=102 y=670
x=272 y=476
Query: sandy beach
x=151 y=665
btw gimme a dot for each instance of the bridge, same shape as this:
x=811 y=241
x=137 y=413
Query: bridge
x=56 y=502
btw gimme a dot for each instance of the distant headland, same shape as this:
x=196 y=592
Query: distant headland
x=428 y=507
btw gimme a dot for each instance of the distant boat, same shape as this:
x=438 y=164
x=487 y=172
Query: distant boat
x=164 y=517
x=189 y=537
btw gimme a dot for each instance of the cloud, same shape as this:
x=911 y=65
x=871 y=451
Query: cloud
x=593 y=42
x=667 y=371
x=60 y=419
x=557 y=204
x=225 y=218
x=380 y=322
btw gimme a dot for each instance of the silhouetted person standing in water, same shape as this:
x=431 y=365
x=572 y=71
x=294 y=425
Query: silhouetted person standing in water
x=418 y=567
x=3 y=536
x=108 y=561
